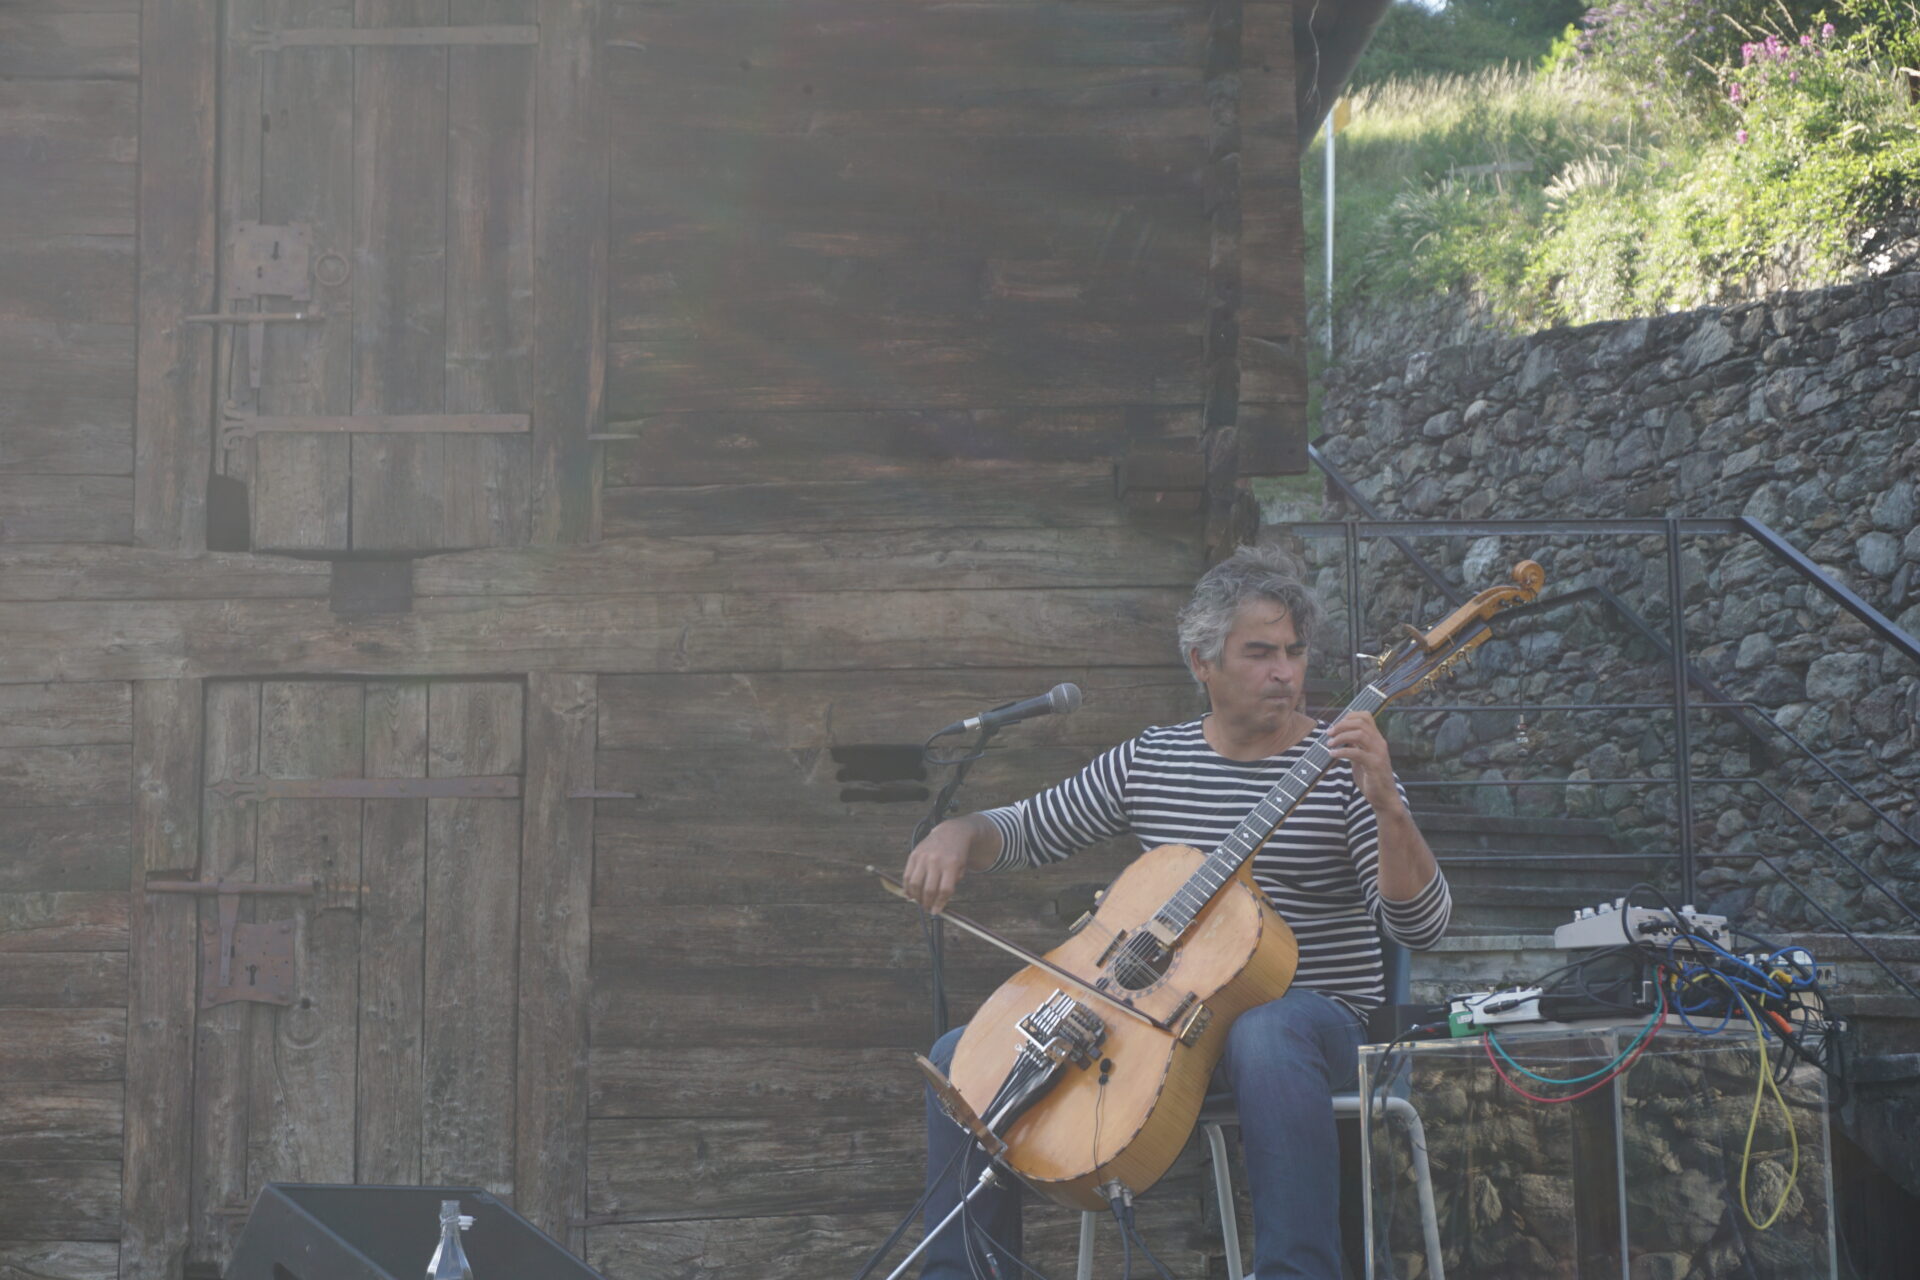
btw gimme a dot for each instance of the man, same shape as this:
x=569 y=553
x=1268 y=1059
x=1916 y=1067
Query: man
x=1347 y=863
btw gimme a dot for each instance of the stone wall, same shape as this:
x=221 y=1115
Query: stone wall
x=1802 y=411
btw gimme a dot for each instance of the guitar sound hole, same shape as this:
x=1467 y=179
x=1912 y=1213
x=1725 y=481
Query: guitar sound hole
x=1141 y=962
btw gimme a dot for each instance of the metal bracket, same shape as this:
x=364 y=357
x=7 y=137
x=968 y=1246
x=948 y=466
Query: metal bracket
x=256 y=787
x=237 y=425
x=256 y=322
x=390 y=37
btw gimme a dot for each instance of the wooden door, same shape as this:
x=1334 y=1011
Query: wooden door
x=393 y=1060
x=377 y=177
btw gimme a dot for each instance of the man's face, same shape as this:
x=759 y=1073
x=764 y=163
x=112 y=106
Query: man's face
x=1262 y=668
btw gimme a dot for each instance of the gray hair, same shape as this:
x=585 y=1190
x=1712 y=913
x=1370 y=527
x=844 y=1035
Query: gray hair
x=1252 y=572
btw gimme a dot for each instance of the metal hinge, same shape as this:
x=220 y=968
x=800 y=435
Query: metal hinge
x=256 y=787
x=238 y=425
x=390 y=37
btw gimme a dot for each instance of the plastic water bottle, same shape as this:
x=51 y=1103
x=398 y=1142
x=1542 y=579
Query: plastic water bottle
x=450 y=1259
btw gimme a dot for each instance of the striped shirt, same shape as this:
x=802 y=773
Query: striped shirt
x=1319 y=870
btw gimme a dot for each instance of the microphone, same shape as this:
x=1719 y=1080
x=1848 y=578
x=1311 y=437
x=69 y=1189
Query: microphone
x=1059 y=700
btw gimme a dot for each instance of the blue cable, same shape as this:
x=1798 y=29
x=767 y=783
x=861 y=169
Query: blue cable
x=1591 y=1075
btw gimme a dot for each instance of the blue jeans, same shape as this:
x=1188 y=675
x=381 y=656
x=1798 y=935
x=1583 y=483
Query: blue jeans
x=1284 y=1062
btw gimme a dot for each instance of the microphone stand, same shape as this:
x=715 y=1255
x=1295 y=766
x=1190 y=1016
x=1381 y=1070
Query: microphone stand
x=937 y=813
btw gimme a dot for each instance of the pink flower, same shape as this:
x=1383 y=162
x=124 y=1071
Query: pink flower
x=1740 y=136
x=1826 y=31
x=1733 y=93
x=1805 y=41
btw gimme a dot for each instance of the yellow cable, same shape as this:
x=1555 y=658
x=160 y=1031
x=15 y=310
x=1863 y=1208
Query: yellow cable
x=1763 y=1083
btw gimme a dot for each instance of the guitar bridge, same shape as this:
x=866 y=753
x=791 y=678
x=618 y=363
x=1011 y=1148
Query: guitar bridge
x=1195 y=1025
x=1064 y=1030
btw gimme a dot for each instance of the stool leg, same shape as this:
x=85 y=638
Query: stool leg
x=1402 y=1110
x=1223 y=1191
x=1085 y=1269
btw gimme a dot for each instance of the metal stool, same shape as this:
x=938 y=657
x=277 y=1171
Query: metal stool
x=1218 y=1112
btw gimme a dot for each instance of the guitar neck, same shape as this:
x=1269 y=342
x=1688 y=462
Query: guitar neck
x=1253 y=831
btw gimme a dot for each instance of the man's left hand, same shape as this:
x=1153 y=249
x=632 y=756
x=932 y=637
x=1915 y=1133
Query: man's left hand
x=1356 y=738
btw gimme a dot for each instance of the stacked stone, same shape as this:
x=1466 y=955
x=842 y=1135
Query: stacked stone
x=1801 y=411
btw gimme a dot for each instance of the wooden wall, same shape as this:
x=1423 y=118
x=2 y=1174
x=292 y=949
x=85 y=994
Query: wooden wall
x=862 y=302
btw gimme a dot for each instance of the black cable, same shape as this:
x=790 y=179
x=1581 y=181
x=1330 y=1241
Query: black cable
x=886 y=1246
x=1127 y=1229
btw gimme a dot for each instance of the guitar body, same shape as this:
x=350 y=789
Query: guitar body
x=1082 y=1134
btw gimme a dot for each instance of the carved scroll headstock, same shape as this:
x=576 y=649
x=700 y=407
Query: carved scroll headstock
x=1426 y=656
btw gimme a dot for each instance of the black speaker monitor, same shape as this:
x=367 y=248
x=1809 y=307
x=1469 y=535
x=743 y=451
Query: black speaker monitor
x=309 y=1231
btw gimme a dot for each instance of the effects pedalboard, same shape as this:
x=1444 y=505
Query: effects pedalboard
x=1700 y=938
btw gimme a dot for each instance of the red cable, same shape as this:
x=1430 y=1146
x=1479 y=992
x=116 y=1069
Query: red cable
x=1602 y=1082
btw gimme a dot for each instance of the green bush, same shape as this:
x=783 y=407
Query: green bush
x=1611 y=200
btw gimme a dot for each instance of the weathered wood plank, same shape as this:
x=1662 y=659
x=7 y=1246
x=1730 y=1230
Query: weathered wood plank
x=1040 y=365
x=64 y=1044
x=805 y=1246
x=879 y=935
x=748 y=38
x=392 y=939
x=66 y=407
x=59 y=1120
x=772 y=1082
x=472 y=918
x=556 y=898
x=41 y=508
x=1134 y=555
x=485 y=481
x=804 y=1008
x=61 y=1199
x=139 y=573
x=758 y=448
x=67 y=279
x=1071 y=495
x=794 y=710
x=75 y=197
x=304 y=1054
x=301 y=170
x=60 y=1260
x=70 y=848
x=163 y=956
x=87 y=921
x=179 y=213
x=63 y=980
x=91 y=121
x=53 y=715
x=51 y=42
x=243 y=124
x=224 y=1034
x=653 y=1170
x=65 y=775
x=400 y=299
x=571 y=185
x=717 y=632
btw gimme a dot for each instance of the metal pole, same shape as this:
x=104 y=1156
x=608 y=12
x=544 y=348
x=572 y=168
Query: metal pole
x=1683 y=756
x=1329 y=202
x=987 y=1179
x=1353 y=605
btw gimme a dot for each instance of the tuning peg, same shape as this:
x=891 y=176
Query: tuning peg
x=1378 y=660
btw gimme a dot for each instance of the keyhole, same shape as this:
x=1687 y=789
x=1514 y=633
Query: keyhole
x=253 y=971
x=276 y=251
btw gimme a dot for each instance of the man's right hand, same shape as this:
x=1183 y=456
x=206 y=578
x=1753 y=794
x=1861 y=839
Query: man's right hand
x=937 y=864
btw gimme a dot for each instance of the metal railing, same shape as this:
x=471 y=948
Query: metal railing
x=1690 y=689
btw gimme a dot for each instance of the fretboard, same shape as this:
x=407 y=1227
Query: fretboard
x=1180 y=910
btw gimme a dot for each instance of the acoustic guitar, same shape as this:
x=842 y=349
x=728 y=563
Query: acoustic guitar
x=1087 y=1068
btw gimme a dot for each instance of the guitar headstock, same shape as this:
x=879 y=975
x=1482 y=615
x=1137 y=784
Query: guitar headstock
x=1425 y=657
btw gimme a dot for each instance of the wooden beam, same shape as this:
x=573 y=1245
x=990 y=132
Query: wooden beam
x=570 y=270
x=163 y=956
x=556 y=889
x=147 y=640
x=173 y=411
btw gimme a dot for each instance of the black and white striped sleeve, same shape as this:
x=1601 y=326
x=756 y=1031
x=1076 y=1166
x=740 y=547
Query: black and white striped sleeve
x=1067 y=817
x=1421 y=920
